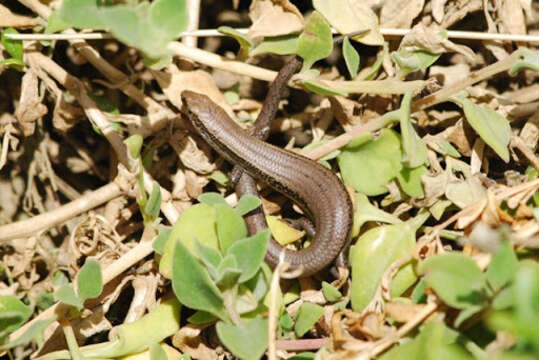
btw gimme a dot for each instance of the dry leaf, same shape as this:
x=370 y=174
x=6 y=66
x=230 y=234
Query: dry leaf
x=438 y=9
x=462 y=137
x=351 y=16
x=402 y=312
x=274 y=18
x=175 y=81
x=189 y=340
x=470 y=214
x=457 y=10
x=190 y=155
x=448 y=75
x=8 y=19
x=530 y=132
x=345 y=111
x=465 y=193
x=400 y=13
x=371 y=325
x=65 y=114
x=512 y=18
x=194 y=184
x=30 y=107
x=431 y=40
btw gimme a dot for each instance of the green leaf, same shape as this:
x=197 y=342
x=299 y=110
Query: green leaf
x=304 y=356
x=13 y=313
x=90 y=280
x=419 y=295
x=415 y=150
x=368 y=167
x=526 y=297
x=493 y=128
x=286 y=321
x=247 y=341
x=368 y=212
x=308 y=315
x=107 y=105
x=315 y=42
x=503 y=267
x=168 y=18
x=331 y=293
x=280 y=45
x=230 y=227
x=220 y=178
x=227 y=272
x=351 y=16
x=247 y=305
x=192 y=284
x=249 y=253
x=148 y=27
x=59 y=279
x=55 y=23
x=373 y=70
x=153 y=206
x=82 y=14
x=212 y=199
x=35 y=331
x=160 y=323
x=319 y=88
x=456 y=279
x=521 y=320
x=196 y=222
x=351 y=57
x=504 y=299
x=439 y=207
x=13 y=63
x=13 y=47
x=157 y=352
x=162 y=237
x=156 y=62
x=246 y=204
x=210 y=257
x=243 y=40
x=417 y=60
x=259 y=284
x=375 y=251
x=528 y=59
x=435 y=342
x=468 y=313
x=282 y=232
x=134 y=145
x=65 y=294
x=44 y=300
x=201 y=317
x=532 y=174
x=410 y=181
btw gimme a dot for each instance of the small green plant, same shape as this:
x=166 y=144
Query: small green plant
x=217 y=269
x=89 y=286
x=13 y=48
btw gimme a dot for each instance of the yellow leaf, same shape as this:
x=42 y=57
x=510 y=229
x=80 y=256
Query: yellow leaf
x=283 y=233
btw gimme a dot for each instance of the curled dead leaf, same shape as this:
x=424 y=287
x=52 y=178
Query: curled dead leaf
x=400 y=13
x=274 y=18
x=30 y=107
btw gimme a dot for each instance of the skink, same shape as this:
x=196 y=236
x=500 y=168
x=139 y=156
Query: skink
x=313 y=187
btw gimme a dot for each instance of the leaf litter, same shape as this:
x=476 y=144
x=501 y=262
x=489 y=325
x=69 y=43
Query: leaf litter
x=446 y=200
